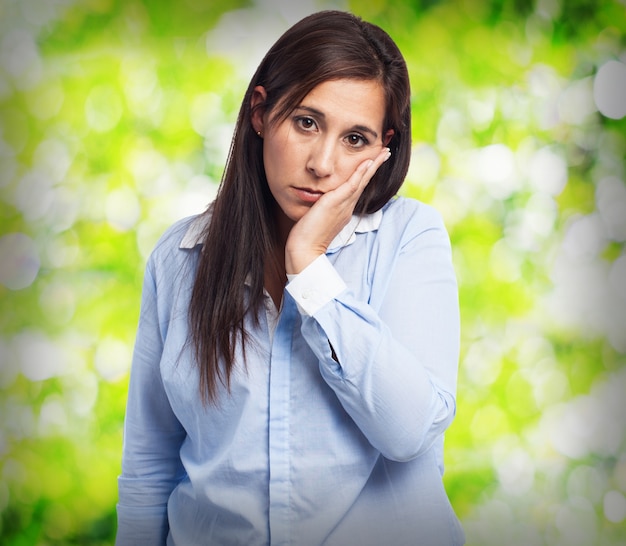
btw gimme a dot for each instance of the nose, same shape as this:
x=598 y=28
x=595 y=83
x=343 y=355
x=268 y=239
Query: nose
x=321 y=161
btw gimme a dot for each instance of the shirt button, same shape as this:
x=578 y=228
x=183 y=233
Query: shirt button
x=306 y=294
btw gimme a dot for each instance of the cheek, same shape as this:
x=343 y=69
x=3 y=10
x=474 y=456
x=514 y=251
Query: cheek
x=346 y=167
x=271 y=162
x=276 y=155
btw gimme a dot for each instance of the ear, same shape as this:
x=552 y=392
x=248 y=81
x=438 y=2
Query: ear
x=388 y=136
x=259 y=95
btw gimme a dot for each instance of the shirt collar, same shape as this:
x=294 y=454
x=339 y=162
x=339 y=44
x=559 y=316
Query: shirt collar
x=357 y=224
x=193 y=235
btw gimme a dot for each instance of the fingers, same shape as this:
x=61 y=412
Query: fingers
x=350 y=191
x=383 y=156
x=366 y=170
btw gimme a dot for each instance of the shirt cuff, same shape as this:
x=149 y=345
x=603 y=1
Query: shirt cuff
x=315 y=285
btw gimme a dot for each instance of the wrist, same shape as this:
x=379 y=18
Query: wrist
x=296 y=262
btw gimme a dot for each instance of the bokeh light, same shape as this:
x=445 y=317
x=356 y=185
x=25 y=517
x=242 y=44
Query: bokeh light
x=115 y=121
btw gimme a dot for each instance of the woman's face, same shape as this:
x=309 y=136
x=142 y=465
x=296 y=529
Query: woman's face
x=336 y=127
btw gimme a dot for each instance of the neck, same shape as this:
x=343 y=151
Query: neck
x=275 y=277
x=283 y=225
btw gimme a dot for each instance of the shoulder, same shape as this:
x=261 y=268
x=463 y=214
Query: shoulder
x=177 y=242
x=173 y=236
x=411 y=217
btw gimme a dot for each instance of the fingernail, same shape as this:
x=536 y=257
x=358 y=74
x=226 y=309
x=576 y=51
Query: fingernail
x=388 y=155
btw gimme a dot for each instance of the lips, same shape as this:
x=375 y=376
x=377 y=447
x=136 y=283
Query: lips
x=308 y=195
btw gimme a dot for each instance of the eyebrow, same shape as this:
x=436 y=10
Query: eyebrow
x=361 y=128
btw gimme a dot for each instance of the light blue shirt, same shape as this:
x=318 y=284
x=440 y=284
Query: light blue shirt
x=304 y=450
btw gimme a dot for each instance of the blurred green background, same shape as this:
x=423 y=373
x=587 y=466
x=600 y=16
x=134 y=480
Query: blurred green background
x=115 y=120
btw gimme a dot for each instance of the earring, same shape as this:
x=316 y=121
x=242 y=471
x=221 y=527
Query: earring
x=260 y=134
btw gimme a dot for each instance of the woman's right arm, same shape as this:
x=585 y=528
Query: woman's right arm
x=151 y=465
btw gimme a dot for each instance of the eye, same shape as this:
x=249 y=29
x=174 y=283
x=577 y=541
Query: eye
x=305 y=123
x=356 y=140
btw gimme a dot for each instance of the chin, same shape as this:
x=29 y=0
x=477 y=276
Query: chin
x=295 y=212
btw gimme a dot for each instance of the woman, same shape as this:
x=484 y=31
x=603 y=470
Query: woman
x=296 y=357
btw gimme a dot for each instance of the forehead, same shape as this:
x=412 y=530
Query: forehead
x=350 y=101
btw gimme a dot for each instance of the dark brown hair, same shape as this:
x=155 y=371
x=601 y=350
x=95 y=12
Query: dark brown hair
x=240 y=235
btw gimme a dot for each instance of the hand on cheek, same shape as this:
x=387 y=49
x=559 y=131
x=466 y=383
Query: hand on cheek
x=311 y=235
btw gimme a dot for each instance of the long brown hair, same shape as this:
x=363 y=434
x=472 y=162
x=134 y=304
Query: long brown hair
x=240 y=235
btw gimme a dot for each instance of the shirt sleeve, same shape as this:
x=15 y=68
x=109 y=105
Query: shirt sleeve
x=394 y=366
x=151 y=465
x=315 y=286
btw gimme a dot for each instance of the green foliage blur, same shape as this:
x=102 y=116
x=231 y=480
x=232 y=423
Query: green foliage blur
x=115 y=120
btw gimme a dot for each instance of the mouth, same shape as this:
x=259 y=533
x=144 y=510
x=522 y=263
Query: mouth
x=308 y=195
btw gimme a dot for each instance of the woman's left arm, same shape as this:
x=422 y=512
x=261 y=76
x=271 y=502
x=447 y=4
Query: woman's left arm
x=393 y=366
